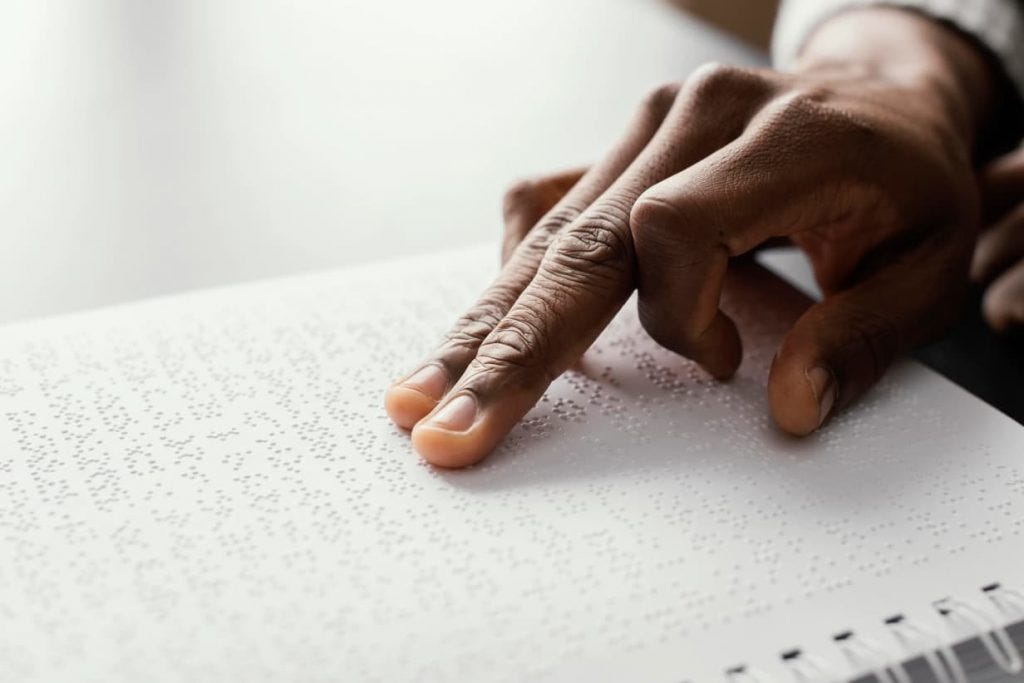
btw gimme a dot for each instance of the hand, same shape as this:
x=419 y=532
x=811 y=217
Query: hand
x=866 y=167
x=999 y=256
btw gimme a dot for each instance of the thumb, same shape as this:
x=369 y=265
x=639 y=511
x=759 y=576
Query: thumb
x=840 y=347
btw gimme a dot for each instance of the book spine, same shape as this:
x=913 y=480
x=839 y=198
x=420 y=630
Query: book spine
x=983 y=621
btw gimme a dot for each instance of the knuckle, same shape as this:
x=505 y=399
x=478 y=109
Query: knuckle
x=717 y=82
x=654 y=223
x=596 y=246
x=660 y=100
x=518 y=344
x=812 y=94
x=537 y=240
x=473 y=327
x=796 y=107
x=711 y=73
x=652 y=214
x=812 y=114
x=658 y=225
x=559 y=217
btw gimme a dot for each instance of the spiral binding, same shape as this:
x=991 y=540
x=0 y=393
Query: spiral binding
x=868 y=657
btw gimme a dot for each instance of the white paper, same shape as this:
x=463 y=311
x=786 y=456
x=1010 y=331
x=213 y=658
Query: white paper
x=205 y=488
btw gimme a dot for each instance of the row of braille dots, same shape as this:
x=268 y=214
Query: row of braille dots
x=560 y=621
x=75 y=400
x=711 y=540
x=13 y=379
x=70 y=384
x=681 y=380
x=599 y=393
x=315 y=437
x=191 y=376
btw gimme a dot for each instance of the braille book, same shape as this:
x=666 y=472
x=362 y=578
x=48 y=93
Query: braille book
x=205 y=488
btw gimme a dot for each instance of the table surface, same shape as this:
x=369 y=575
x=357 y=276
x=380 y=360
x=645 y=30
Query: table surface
x=155 y=147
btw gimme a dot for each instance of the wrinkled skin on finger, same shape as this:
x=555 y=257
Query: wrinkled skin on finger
x=862 y=157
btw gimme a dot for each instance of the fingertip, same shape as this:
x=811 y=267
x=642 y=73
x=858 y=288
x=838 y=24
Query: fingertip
x=406 y=406
x=449 y=449
x=455 y=435
x=410 y=400
x=726 y=352
x=719 y=349
x=801 y=398
x=460 y=433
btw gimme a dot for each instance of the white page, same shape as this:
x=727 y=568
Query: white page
x=205 y=488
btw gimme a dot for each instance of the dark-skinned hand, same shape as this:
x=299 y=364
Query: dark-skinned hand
x=862 y=156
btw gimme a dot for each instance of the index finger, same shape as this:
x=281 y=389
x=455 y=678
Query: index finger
x=584 y=278
x=411 y=399
x=587 y=273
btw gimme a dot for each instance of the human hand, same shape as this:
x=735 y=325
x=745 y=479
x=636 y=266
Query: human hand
x=865 y=165
x=999 y=256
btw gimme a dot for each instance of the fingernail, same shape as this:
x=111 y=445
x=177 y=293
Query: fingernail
x=431 y=381
x=457 y=415
x=823 y=384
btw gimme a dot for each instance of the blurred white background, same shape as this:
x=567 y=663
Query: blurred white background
x=147 y=148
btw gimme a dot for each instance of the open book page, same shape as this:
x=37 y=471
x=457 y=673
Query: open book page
x=205 y=488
